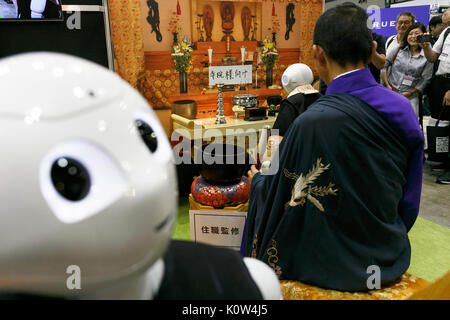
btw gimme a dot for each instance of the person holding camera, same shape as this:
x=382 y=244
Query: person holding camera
x=410 y=70
x=440 y=88
x=436 y=27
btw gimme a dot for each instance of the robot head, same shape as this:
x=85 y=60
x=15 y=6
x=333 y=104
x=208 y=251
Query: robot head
x=297 y=74
x=87 y=177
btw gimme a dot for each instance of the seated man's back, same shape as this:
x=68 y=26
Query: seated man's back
x=348 y=184
x=332 y=211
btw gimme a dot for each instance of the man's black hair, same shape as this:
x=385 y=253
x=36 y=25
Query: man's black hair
x=407 y=14
x=343 y=34
x=435 y=21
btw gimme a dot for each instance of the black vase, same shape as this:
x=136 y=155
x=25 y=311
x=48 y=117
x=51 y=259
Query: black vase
x=183 y=82
x=175 y=38
x=274 y=39
x=269 y=77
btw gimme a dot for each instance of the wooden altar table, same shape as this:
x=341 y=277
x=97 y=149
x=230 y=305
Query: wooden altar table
x=207 y=103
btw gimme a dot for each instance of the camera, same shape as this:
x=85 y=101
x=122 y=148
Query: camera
x=424 y=38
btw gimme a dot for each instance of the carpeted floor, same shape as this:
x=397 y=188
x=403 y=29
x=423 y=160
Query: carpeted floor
x=430 y=246
x=182 y=231
x=429 y=242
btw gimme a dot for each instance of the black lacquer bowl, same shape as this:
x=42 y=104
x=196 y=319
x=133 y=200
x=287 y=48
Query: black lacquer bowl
x=223 y=163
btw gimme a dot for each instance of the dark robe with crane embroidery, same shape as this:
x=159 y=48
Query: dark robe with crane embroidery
x=339 y=202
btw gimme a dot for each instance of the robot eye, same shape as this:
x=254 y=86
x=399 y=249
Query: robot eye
x=147 y=135
x=79 y=179
x=70 y=179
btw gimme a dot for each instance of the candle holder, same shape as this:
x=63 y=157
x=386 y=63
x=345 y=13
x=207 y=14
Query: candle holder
x=243 y=55
x=242 y=86
x=175 y=38
x=210 y=51
x=256 y=77
x=220 y=116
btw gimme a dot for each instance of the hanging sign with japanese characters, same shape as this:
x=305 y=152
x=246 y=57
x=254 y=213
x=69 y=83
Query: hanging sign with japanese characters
x=218 y=228
x=229 y=75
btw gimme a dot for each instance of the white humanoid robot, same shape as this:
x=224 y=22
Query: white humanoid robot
x=297 y=81
x=88 y=184
x=298 y=77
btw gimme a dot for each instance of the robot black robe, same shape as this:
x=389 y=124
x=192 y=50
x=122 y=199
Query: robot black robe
x=291 y=108
x=194 y=271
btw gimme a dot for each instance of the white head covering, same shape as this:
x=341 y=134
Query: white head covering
x=296 y=75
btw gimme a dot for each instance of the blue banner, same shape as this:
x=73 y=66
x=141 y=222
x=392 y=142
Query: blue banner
x=384 y=20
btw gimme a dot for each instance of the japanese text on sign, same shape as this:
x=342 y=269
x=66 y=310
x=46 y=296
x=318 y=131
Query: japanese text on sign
x=230 y=75
x=220 y=230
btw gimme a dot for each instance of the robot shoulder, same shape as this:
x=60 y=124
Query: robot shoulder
x=265 y=279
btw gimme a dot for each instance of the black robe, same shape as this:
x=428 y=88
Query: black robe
x=347 y=218
x=291 y=108
x=195 y=271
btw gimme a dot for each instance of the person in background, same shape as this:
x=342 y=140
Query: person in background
x=435 y=27
x=404 y=21
x=410 y=72
x=347 y=189
x=440 y=89
x=379 y=58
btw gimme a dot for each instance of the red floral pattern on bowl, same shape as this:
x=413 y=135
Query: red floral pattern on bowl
x=219 y=196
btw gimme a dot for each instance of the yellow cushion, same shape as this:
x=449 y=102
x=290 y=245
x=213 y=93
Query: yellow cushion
x=401 y=290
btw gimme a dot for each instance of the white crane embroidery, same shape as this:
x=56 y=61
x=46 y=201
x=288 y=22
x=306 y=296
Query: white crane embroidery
x=303 y=190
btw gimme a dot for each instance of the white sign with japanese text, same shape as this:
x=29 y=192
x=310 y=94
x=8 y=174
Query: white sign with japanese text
x=218 y=228
x=230 y=74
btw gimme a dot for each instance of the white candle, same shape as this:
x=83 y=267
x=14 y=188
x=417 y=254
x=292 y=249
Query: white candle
x=242 y=54
x=210 y=55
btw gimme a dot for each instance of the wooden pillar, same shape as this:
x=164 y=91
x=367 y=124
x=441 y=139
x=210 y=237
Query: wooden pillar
x=127 y=37
x=310 y=10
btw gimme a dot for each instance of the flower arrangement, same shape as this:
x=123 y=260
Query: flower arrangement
x=182 y=56
x=269 y=53
x=174 y=23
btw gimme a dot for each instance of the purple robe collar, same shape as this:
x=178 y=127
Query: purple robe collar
x=393 y=106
